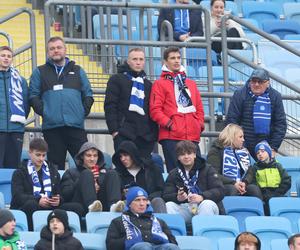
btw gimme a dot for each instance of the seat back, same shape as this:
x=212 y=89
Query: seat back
x=30 y=238
x=21 y=220
x=5 y=183
x=268 y=228
x=39 y=219
x=241 y=207
x=194 y=243
x=2 y=203
x=215 y=227
x=91 y=241
x=226 y=243
x=279 y=244
x=281 y=28
x=98 y=222
x=288 y=207
x=292 y=11
x=175 y=223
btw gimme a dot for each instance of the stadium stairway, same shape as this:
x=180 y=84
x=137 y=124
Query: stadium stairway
x=19 y=30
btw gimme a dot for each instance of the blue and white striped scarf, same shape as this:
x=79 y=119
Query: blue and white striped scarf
x=262 y=114
x=16 y=97
x=136 y=102
x=134 y=235
x=36 y=182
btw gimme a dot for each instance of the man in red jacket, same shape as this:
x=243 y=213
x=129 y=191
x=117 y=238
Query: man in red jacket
x=176 y=106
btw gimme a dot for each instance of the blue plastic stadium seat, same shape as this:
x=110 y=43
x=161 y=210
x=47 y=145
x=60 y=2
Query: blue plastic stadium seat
x=279 y=244
x=292 y=11
x=226 y=243
x=5 y=183
x=98 y=222
x=30 y=238
x=268 y=228
x=158 y=160
x=196 y=57
x=39 y=219
x=251 y=21
x=242 y=207
x=281 y=28
x=175 y=222
x=91 y=241
x=288 y=207
x=292 y=37
x=194 y=243
x=2 y=203
x=215 y=227
x=21 y=220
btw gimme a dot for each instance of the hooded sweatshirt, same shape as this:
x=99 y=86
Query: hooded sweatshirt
x=236 y=241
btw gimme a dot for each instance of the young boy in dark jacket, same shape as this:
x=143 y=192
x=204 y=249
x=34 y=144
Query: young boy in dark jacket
x=58 y=228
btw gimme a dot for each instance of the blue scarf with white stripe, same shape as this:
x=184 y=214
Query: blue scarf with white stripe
x=262 y=113
x=16 y=98
x=36 y=182
x=136 y=102
x=134 y=235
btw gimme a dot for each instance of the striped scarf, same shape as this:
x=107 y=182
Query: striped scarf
x=37 y=187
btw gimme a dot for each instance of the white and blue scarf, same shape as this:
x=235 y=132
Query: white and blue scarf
x=36 y=182
x=16 y=97
x=181 y=21
x=134 y=235
x=136 y=102
x=262 y=114
x=191 y=183
x=235 y=163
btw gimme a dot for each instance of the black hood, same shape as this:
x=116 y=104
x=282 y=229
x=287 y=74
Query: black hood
x=126 y=68
x=87 y=146
x=130 y=148
x=236 y=241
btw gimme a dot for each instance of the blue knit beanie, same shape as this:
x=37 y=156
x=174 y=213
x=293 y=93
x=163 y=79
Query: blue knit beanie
x=264 y=145
x=132 y=193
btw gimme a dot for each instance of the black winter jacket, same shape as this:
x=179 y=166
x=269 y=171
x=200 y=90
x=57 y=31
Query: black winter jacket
x=149 y=177
x=116 y=234
x=211 y=186
x=117 y=99
x=63 y=242
x=22 y=188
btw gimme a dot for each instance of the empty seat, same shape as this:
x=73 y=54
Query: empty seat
x=91 y=241
x=194 y=243
x=2 y=203
x=215 y=227
x=30 y=238
x=226 y=243
x=292 y=11
x=292 y=37
x=281 y=28
x=250 y=21
x=39 y=219
x=21 y=220
x=175 y=223
x=196 y=57
x=288 y=207
x=292 y=75
x=242 y=207
x=261 y=10
x=279 y=244
x=98 y=222
x=5 y=183
x=268 y=228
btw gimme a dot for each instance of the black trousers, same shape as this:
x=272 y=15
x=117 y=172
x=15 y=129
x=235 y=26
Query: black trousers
x=63 y=139
x=109 y=193
x=10 y=149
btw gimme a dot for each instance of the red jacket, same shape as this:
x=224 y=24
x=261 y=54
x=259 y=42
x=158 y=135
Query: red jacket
x=163 y=110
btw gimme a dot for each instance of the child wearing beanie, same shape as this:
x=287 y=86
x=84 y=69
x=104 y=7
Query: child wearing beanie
x=272 y=179
x=58 y=228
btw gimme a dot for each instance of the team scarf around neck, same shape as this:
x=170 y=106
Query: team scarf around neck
x=181 y=91
x=14 y=242
x=182 y=21
x=261 y=113
x=191 y=183
x=16 y=97
x=235 y=163
x=134 y=235
x=36 y=182
x=136 y=101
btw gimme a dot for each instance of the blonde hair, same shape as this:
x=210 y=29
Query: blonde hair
x=228 y=134
x=247 y=237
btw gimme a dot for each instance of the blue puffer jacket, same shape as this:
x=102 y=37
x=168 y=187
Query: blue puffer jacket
x=240 y=112
x=5 y=113
x=62 y=100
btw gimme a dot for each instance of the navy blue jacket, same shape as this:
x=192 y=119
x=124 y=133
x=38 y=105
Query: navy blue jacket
x=196 y=26
x=60 y=106
x=5 y=113
x=241 y=112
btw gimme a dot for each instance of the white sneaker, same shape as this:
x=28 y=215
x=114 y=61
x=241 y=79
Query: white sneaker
x=118 y=206
x=96 y=206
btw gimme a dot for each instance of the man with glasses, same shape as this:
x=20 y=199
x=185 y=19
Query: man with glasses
x=258 y=109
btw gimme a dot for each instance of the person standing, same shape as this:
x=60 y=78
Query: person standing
x=61 y=93
x=14 y=108
x=176 y=106
x=126 y=105
x=258 y=109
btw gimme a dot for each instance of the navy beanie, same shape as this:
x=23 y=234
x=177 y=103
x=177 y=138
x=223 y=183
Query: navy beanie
x=5 y=216
x=264 y=145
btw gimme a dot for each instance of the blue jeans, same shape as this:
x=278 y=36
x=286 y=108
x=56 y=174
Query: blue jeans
x=149 y=246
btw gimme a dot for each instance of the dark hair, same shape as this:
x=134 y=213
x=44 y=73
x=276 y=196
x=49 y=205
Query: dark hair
x=183 y=147
x=38 y=144
x=6 y=48
x=170 y=50
x=55 y=38
x=291 y=240
x=213 y=1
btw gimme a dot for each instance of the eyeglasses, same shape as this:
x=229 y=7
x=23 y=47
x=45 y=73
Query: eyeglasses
x=256 y=80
